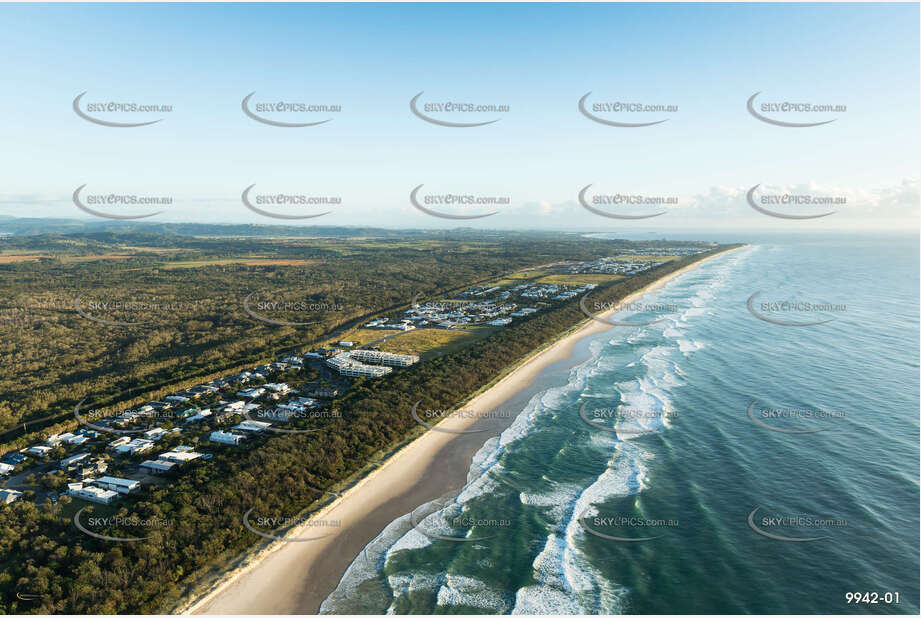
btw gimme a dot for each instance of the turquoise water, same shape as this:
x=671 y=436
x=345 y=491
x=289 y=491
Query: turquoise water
x=689 y=425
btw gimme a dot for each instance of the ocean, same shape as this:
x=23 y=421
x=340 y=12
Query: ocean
x=750 y=446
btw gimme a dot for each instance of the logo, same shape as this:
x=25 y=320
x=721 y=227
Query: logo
x=81 y=528
x=276 y=522
x=787 y=107
x=117 y=200
x=615 y=199
x=619 y=521
x=461 y=413
x=789 y=306
x=453 y=199
x=284 y=107
x=786 y=521
x=787 y=414
x=621 y=107
x=455 y=523
x=102 y=428
x=285 y=200
x=116 y=107
x=289 y=306
x=619 y=414
x=612 y=307
x=79 y=309
x=783 y=199
x=454 y=107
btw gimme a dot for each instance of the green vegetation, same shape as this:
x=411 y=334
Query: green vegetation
x=63 y=357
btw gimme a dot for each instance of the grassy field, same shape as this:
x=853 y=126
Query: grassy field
x=360 y=336
x=246 y=261
x=578 y=278
x=646 y=258
x=432 y=342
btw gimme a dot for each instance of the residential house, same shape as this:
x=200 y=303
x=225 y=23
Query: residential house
x=154 y=434
x=222 y=437
x=93 y=494
x=158 y=466
x=135 y=446
x=253 y=426
x=8 y=496
x=122 y=486
x=71 y=462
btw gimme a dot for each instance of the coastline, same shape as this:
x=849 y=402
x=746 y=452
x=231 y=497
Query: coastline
x=292 y=577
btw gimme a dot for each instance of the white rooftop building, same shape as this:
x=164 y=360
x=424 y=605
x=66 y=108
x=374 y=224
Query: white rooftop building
x=254 y=426
x=178 y=456
x=70 y=461
x=158 y=466
x=138 y=445
x=154 y=434
x=8 y=496
x=376 y=357
x=347 y=366
x=201 y=414
x=93 y=494
x=223 y=437
x=122 y=486
x=58 y=438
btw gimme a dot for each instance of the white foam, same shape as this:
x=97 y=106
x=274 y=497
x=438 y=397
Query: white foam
x=463 y=590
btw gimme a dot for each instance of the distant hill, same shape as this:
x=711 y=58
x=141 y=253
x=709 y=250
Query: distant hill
x=109 y=229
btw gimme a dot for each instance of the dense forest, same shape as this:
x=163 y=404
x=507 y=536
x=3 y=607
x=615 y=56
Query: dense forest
x=41 y=552
x=188 y=295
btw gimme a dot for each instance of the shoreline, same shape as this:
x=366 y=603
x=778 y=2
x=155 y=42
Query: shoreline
x=297 y=580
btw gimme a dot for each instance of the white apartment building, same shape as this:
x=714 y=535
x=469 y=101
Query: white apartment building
x=346 y=366
x=122 y=486
x=93 y=494
x=223 y=437
x=376 y=357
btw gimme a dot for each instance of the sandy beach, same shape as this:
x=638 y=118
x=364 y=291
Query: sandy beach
x=295 y=577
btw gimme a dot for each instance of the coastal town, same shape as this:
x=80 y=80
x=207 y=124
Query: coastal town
x=116 y=453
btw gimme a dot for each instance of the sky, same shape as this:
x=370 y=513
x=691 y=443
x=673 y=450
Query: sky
x=700 y=62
